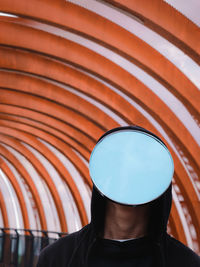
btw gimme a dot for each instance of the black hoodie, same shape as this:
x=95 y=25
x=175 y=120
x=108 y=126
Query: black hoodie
x=74 y=249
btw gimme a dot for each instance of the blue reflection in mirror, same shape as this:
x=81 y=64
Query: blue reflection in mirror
x=131 y=167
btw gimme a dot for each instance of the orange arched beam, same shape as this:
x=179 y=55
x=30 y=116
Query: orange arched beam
x=15 y=99
x=62 y=73
x=53 y=132
x=93 y=88
x=189 y=187
x=188 y=191
x=124 y=43
x=38 y=133
x=145 y=96
x=172 y=25
x=32 y=141
x=43 y=89
x=19 y=194
x=52 y=109
x=14 y=161
x=29 y=84
x=192 y=202
x=59 y=144
x=72 y=136
x=4 y=211
x=43 y=173
x=177 y=227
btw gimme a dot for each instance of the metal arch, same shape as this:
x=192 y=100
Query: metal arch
x=156 y=114
x=31 y=140
x=69 y=76
x=166 y=117
x=36 y=132
x=166 y=21
x=191 y=199
x=175 y=223
x=170 y=119
x=144 y=94
x=96 y=89
x=19 y=193
x=56 y=127
x=181 y=178
x=180 y=170
x=54 y=141
x=39 y=88
x=144 y=56
x=179 y=230
x=50 y=108
x=3 y=209
x=46 y=128
x=188 y=186
x=12 y=142
x=14 y=161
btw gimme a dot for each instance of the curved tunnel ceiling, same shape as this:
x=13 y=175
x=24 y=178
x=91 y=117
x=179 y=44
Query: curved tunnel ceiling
x=69 y=71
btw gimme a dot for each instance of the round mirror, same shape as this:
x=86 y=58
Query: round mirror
x=131 y=167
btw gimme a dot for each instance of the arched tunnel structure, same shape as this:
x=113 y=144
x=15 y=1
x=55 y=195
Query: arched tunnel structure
x=69 y=71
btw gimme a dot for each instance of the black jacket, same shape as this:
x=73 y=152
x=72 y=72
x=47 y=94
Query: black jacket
x=73 y=250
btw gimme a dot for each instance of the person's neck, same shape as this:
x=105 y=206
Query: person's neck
x=125 y=222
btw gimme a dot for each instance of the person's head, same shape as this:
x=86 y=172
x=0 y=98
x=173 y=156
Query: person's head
x=130 y=165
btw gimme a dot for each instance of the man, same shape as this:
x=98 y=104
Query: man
x=122 y=235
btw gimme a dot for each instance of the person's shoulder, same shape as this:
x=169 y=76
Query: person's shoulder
x=182 y=254
x=66 y=242
x=62 y=243
x=60 y=250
